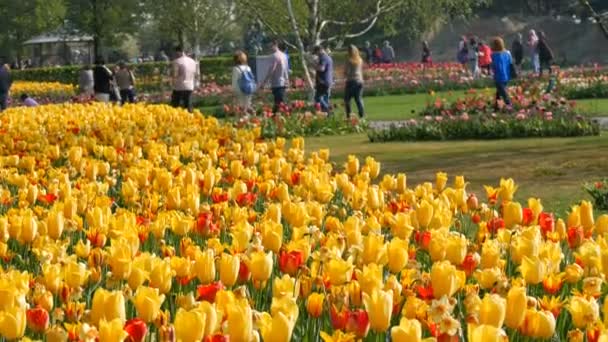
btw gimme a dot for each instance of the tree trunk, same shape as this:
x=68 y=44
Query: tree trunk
x=597 y=17
x=301 y=48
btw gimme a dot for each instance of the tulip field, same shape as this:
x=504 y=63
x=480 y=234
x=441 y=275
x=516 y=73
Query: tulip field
x=147 y=223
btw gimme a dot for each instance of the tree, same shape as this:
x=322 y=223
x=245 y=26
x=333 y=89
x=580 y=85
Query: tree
x=597 y=16
x=106 y=20
x=314 y=22
x=24 y=19
x=190 y=22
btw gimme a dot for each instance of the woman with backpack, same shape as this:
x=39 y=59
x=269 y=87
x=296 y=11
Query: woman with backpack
x=243 y=82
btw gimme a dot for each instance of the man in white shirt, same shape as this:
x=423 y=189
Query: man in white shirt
x=185 y=72
x=278 y=75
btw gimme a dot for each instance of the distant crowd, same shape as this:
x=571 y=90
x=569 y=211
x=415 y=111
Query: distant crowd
x=118 y=84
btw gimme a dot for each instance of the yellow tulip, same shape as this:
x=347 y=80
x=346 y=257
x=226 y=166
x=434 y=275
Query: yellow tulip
x=161 y=275
x=492 y=310
x=107 y=306
x=239 y=323
x=112 y=331
x=52 y=276
x=229 y=266
x=456 y=248
x=407 y=330
x=533 y=270
x=539 y=324
x=75 y=274
x=189 y=325
x=445 y=279
x=370 y=278
x=314 y=304
x=401 y=183
x=272 y=235
x=55 y=224
x=119 y=259
x=424 y=213
x=379 y=306
x=507 y=189
x=211 y=317
x=373 y=167
x=516 y=307
x=574 y=218
x=374 y=249
x=513 y=214
x=339 y=271
x=275 y=328
x=147 y=302
x=260 y=264
x=13 y=322
x=488 y=277
x=397 y=252
x=490 y=254
x=29 y=228
x=487 y=333
x=601 y=225
x=352 y=165
x=285 y=285
x=573 y=273
x=586 y=215
x=204 y=266
x=583 y=311
x=441 y=179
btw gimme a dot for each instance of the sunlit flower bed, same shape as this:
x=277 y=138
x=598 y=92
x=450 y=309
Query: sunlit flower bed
x=146 y=223
x=42 y=92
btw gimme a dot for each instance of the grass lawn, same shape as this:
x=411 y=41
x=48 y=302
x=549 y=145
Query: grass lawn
x=552 y=169
x=401 y=107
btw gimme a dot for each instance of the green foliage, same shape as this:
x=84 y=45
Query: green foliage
x=23 y=19
x=599 y=192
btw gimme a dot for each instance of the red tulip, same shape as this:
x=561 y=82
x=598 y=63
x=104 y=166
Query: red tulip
x=137 y=330
x=290 y=262
x=546 y=222
x=208 y=292
x=358 y=322
x=37 y=319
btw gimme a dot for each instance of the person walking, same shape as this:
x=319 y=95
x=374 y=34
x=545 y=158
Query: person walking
x=517 y=51
x=485 y=58
x=86 y=81
x=184 y=73
x=388 y=53
x=125 y=80
x=378 y=57
x=243 y=82
x=354 y=82
x=426 y=53
x=5 y=86
x=533 y=46
x=324 y=78
x=463 y=51
x=278 y=75
x=473 y=50
x=369 y=52
x=545 y=54
x=501 y=66
x=102 y=79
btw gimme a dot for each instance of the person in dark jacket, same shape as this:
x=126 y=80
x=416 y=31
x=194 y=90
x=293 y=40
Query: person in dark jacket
x=5 y=85
x=102 y=77
x=501 y=66
x=545 y=54
x=426 y=53
x=369 y=53
x=517 y=51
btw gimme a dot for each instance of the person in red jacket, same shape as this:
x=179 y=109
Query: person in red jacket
x=485 y=58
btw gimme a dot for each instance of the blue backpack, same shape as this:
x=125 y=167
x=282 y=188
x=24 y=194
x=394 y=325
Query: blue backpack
x=247 y=82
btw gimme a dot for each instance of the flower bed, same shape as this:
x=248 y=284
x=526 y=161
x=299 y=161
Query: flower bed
x=43 y=92
x=148 y=223
x=533 y=114
x=585 y=87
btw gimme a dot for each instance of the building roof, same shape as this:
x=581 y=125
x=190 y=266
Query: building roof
x=55 y=37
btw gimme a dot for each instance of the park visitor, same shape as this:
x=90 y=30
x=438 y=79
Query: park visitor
x=114 y=91
x=27 y=101
x=354 y=81
x=378 y=57
x=86 y=81
x=501 y=66
x=533 y=46
x=473 y=49
x=184 y=73
x=278 y=75
x=102 y=79
x=125 y=79
x=369 y=52
x=388 y=53
x=243 y=82
x=5 y=85
x=517 y=51
x=324 y=78
x=485 y=57
x=463 y=51
x=545 y=54
x=426 y=53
